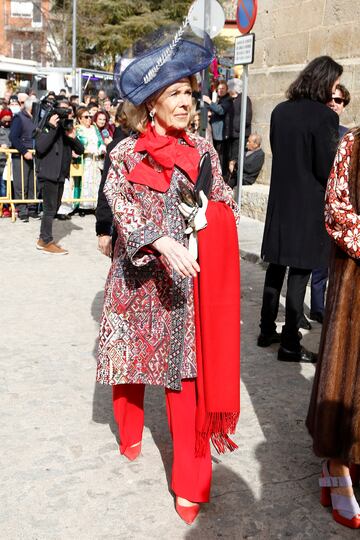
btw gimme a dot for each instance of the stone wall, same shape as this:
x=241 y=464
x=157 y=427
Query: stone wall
x=290 y=33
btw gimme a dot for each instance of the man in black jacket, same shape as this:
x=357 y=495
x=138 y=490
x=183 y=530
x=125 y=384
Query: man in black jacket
x=253 y=159
x=235 y=91
x=54 y=146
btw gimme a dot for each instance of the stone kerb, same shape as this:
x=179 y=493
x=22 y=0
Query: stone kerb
x=254 y=201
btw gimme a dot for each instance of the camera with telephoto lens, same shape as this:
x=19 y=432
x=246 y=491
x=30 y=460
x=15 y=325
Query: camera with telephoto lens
x=44 y=110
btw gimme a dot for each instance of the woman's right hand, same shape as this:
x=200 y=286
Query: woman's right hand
x=105 y=245
x=177 y=255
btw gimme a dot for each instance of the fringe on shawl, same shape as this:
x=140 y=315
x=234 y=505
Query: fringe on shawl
x=216 y=428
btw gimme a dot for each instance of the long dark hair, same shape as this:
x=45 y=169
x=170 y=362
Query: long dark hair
x=316 y=80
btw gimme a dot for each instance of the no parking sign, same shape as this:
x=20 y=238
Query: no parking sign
x=246 y=15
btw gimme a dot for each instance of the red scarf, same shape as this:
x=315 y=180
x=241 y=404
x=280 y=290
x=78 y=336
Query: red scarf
x=166 y=152
x=217 y=321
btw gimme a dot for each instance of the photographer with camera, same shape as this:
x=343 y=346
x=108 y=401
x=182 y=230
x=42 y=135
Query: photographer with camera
x=55 y=141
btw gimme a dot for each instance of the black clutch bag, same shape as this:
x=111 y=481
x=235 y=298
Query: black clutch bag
x=205 y=179
x=203 y=183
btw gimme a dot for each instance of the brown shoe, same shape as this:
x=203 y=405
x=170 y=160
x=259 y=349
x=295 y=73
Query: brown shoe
x=40 y=244
x=53 y=249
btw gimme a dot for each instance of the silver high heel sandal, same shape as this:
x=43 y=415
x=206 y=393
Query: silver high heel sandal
x=345 y=509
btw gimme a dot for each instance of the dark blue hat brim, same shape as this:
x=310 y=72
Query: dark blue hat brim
x=187 y=59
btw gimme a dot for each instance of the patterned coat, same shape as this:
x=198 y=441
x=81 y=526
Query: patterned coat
x=147 y=331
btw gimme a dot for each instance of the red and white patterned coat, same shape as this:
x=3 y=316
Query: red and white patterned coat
x=341 y=220
x=147 y=331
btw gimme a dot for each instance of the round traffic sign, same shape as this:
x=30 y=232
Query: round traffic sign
x=246 y=12
x=207 y=15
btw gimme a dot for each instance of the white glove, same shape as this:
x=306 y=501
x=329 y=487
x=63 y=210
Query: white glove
x=195 y=215
x=196 y=220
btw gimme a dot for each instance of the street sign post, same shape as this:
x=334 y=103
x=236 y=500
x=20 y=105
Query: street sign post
x=208 y=16
x=244 y=55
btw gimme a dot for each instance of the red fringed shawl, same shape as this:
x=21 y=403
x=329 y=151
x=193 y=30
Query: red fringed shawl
x=217 y=318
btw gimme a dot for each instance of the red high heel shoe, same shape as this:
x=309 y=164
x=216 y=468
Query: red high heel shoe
x=345 y=510
x=187 y=513
x=132 y=452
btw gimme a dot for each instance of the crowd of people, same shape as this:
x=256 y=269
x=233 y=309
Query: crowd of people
x=95 y=123
x=98 y=121
x=34 y=129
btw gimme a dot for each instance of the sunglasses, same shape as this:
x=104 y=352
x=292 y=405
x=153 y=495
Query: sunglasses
x=338 y=100
x=86 y=116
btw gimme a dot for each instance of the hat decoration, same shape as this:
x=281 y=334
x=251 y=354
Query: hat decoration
x=163 y=59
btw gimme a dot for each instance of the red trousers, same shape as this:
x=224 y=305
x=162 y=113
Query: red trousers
x=191 y=476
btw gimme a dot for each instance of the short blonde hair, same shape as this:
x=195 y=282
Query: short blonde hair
x=138 y=115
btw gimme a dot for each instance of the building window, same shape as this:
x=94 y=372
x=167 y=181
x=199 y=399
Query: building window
x=21 y=9
x=27 y=50
x=37 y=18
x=22 y=50
x=16 y=49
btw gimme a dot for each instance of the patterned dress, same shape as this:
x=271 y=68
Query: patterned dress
x=147 y=331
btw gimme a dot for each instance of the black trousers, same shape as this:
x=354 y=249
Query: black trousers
x=295 y=294
x=222 y=148
x=23 y=168
x=319 y=278
x=51 y=194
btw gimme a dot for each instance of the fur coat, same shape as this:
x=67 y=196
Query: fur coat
x=334 y=414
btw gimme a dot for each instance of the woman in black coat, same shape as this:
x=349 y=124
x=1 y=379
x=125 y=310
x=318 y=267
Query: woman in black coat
x=303 y=136
x=104 y=216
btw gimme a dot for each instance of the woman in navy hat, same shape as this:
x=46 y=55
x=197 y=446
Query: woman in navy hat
x=154 y=298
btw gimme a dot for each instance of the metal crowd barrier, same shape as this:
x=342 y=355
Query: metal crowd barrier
x=76 y=176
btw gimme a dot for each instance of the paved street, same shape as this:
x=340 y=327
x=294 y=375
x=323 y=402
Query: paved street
x=62 y=476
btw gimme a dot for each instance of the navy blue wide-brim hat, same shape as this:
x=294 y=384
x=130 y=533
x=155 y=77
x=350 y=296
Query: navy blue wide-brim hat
x=162 y=66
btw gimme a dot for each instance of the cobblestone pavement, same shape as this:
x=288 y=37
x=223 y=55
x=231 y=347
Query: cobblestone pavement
x=62 y=476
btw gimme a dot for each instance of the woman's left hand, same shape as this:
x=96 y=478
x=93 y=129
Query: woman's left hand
x=177 y=256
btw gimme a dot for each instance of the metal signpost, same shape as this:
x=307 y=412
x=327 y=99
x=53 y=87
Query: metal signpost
x=244 y=55
x=74 y=87
x=208 y=16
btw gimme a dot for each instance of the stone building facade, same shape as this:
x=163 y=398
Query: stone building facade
x=290 y=33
